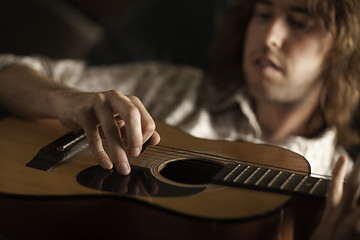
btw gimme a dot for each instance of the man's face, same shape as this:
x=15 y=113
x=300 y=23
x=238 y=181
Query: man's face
x=284 y=52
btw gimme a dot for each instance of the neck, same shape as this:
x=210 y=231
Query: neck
x=278 y=121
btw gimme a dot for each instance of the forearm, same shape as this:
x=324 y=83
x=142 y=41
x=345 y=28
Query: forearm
x=27 y=93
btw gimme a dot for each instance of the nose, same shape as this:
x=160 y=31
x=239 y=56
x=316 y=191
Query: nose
x=277 y=33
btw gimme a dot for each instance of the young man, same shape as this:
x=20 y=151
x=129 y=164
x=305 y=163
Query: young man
x=283 y=71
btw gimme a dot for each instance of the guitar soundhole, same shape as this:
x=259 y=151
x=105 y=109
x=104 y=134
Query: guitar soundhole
x=191 y=171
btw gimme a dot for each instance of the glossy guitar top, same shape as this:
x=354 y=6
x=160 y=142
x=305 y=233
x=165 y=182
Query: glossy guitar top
x=156 y=179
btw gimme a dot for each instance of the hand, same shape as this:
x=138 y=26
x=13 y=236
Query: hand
x=341 y=219
x=122 y=120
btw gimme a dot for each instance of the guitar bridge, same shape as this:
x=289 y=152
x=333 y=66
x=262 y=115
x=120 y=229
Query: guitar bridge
x=58 y=150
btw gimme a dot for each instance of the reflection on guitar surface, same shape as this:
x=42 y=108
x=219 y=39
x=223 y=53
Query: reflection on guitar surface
x=140 y=182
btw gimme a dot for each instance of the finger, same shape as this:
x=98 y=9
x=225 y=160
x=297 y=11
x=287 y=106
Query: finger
x=347 y=226
x=89 y=122
x=147 y=122
x=152 y=141
x=119 y=122
x=95 y=142
x=337 y=183
x=150 y=136
x=112 y=134
x=352 y=187
x=335 y=193
x=131 y=115
x=155 y=139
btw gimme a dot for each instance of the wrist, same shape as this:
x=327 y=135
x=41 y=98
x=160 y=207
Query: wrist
x=62 y=102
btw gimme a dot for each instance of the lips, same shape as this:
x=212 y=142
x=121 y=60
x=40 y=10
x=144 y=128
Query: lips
x=265 y=62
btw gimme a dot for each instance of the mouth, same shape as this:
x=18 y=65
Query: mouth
x=267 y=63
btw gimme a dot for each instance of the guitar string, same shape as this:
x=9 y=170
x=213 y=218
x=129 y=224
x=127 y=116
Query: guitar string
x=169 y=153
x=166 y=156
x=154 y=151
x=207 y=156
x=181 y=153
x=203 y=165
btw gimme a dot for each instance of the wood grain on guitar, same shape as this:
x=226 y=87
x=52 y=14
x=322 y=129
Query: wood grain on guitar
x=170 y=183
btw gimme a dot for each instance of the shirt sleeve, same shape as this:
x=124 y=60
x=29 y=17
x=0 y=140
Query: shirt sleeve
x=58 y=70
x=169 y=92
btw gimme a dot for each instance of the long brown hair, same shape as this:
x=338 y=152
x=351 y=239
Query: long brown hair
x=341 y=72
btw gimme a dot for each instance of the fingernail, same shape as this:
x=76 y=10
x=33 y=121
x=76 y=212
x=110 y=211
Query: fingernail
x=124 y=168
x=135 y=152
x=106 y=164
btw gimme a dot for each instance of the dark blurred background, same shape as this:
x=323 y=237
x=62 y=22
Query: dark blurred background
x=111 y=31
x=114 y=31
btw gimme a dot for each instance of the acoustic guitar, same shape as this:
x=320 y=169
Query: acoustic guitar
x=185 y=188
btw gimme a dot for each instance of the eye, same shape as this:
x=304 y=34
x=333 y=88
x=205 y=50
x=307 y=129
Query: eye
x=264 y=15
x=263 y=12
x=298 y=24
x=303 y=23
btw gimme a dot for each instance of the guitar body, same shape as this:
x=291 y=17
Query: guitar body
x=159 y=199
